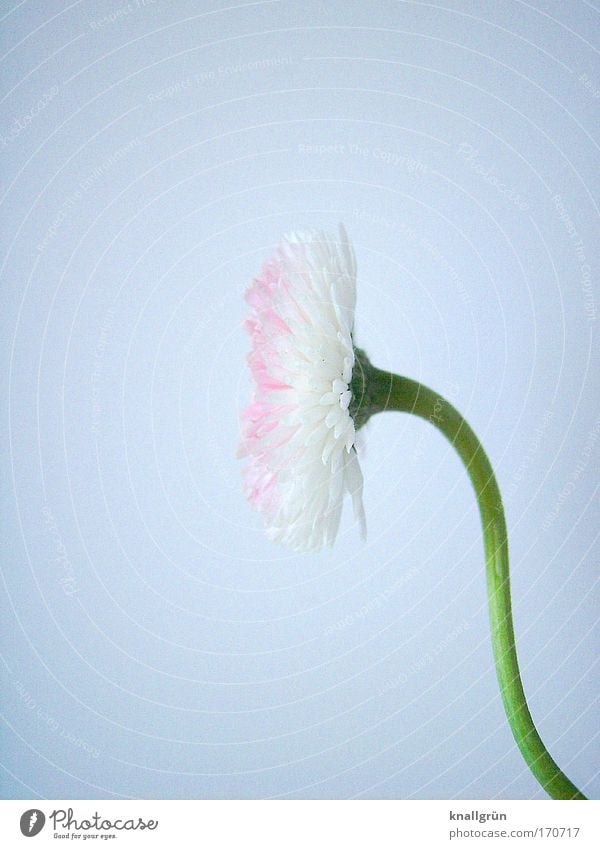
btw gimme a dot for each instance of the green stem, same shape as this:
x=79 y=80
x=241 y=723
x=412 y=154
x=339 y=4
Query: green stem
x=376 y=391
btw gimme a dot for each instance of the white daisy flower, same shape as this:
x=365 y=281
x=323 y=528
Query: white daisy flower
x=298 y=431
x=314 y=389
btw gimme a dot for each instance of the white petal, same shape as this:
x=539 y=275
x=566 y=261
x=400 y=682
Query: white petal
x=354 y=484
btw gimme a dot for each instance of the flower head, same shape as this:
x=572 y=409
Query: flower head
x=298 y=431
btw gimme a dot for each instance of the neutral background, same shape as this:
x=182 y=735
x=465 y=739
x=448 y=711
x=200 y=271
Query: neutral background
x=155 y=644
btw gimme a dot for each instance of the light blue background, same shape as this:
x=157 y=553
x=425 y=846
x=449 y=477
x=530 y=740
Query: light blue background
x=155 y=644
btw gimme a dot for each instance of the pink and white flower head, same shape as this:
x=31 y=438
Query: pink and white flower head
x=298 y=431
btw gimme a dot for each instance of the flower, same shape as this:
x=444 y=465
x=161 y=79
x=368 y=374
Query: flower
x=298 y=431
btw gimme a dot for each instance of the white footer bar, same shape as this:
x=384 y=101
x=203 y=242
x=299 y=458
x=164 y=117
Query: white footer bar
x=300 y=824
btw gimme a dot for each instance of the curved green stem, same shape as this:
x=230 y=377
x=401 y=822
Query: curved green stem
x=375 y=391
